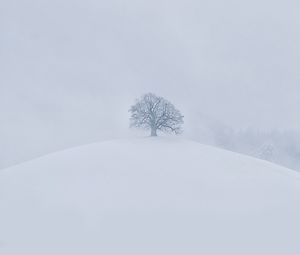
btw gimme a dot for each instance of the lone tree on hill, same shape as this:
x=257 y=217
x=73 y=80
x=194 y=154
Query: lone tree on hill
x=154 y=113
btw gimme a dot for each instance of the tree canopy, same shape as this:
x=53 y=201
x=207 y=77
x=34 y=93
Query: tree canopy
x=155 y=113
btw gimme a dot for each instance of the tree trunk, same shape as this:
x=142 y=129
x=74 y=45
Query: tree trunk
x=153 y=132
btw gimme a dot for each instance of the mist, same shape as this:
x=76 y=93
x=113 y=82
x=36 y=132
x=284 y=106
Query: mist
x=71 y=69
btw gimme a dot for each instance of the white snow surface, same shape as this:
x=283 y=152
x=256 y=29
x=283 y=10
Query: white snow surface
x=150 y=196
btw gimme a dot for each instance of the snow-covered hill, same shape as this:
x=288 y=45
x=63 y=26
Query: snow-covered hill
x=149 y=197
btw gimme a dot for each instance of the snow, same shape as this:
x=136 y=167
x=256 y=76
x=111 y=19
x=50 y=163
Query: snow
x=155 y=196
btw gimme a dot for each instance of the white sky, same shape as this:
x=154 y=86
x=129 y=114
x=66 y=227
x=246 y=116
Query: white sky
x=71 y=69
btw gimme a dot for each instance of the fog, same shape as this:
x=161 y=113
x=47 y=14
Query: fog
x=71 y=69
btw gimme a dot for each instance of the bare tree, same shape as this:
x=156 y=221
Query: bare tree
x=154 y=113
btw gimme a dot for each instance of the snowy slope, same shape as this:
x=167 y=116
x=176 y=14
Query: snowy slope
x=149 y=197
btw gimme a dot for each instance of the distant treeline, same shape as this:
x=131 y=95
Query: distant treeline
x=280 y=147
